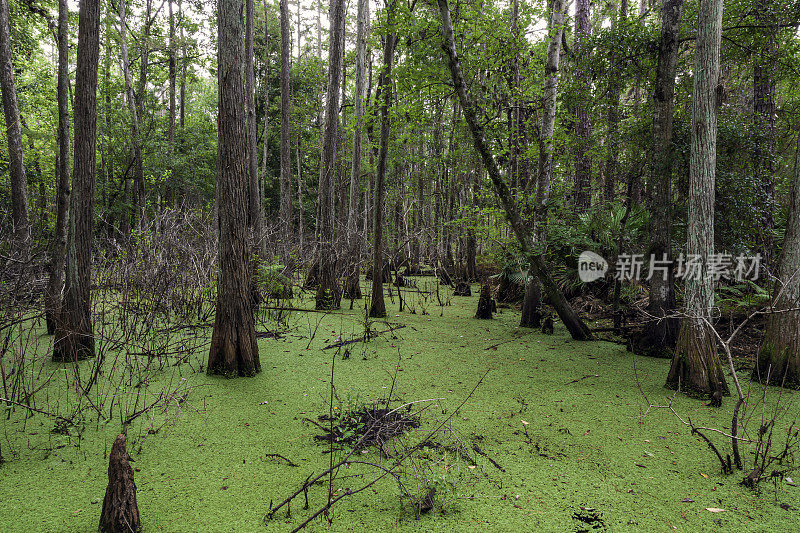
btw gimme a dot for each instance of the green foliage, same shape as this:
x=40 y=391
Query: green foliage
x=740 y=298
x=272 y=282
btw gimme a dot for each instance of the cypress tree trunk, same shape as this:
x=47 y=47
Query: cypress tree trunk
x=780 y=353
x=56 y=282
x=583 y=127
x=233 y=344
x=764 y=123
x=254 y=203
x=614 y=90
x=328 y=292
x=138 y=170
x=141 y=94
x=19 y=183
x=696 y=367
x=352 y=285
x=74 y=338
x=173 y=74
x=662 y=334
x=285 y=213
x=574 y=324
x=377 y=306
x=532 y=302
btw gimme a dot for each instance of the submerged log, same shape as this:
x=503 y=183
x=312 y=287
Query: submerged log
x=120 y=513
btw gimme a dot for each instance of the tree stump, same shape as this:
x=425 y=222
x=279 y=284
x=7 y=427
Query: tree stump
x=462 y=289
x=485 y=302
x=120 y=512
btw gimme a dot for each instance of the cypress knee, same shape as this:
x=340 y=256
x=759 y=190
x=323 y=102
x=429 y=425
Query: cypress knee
x=485 y=302
x=120 y=512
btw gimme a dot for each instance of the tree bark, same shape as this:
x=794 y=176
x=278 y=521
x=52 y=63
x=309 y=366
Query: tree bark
x=377 y=306
x=574 y=324
x=615 y=88
x=531 y=304
x=696 y=366
x=74 y=338
x=285 y=213
x=19 y=183
x=328 y=292
x=234 y=350
x=764 y=122
x=254 y=204
x=120 y=512
x=779 y=357
x=134 y=108
x=352 y=285
x=265 y=140
x=173 y=74
x=56 y=282
x=583 y=126
x=662 y=332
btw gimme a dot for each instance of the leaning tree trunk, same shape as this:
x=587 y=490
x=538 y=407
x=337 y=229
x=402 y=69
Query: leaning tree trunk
x=696 y=366
x=328 y=293
x=780 y=353
x=19 y=183
x=573 y=323
x=662 y=332
x=74 y=339
x=120 y=513
x=583 y=127
x=377 y=306
x=285 y=213
x=352 y=285
x=56 y=282
x=234 y=350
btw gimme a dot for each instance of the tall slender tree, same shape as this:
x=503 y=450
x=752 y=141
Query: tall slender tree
x=135 y=110
x=764 y=69
x=377 y=307
x=19 y=183
x=612 y=118
x=662 y=330
x=352 y=285
x=74 y=338
x=234 y=350
x=328 y=292
x=173 y=76
x=696 y=366
x=555 y=30
x=254 y=204
x=583 y=121
x=285 y=213
x=56 y=282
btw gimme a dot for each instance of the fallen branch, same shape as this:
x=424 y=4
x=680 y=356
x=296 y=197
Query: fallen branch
x=581 y=379
x=289 y=462
x=361 y=338
x=481 y=452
